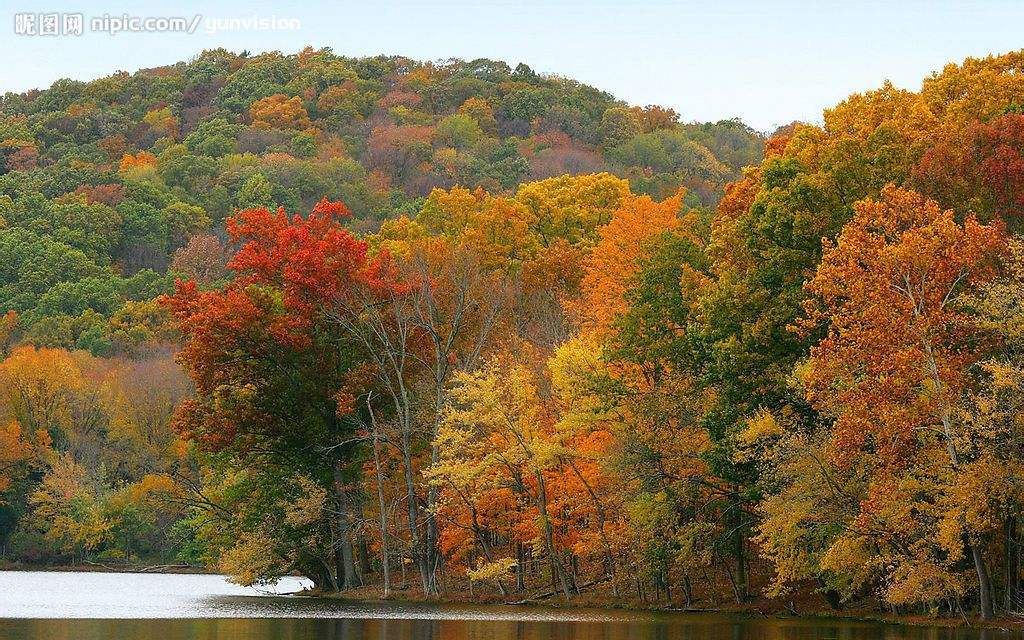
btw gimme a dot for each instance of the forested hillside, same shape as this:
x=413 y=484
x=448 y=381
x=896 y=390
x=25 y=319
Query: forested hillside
x=488 y=349
x=102 y=182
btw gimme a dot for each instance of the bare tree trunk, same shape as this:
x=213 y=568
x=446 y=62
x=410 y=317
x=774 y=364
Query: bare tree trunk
x=732 y=577
x=336 y=556
x=1012 y=556
x=364 y=557
x=984 y=583
x=346 y=572
x=485 y=546
x=385 y=561
x=458 y=324
x=601 y=519
x=387 y=326
x=402 y=405
x=520 y=567
x=431 y=552
x=350 y=575
x=741 y=563
x=558 y=573
x=384 y=328
x=412 y=511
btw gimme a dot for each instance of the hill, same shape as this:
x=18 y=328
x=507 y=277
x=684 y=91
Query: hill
x=102 y=182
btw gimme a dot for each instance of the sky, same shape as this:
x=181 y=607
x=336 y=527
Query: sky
x=766 y=62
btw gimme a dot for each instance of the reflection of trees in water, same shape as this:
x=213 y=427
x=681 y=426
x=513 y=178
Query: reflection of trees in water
x=694 y=627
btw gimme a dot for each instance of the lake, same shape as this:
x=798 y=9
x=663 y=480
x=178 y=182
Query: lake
x=101 y=606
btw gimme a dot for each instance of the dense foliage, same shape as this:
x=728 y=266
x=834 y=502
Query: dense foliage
x=105 y=185
x=803 y=385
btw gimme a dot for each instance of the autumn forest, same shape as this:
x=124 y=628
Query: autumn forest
x=462 y=331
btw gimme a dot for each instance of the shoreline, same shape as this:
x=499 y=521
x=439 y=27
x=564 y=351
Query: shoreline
x=371 y=594
x=181 y=569
x=752 y=610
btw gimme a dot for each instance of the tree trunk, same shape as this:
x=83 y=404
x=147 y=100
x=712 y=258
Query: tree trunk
x=984 y=583
x=945 y=415
x=601 y=519
x=350 y=577
x=318 y=572
x=557 y=572
x=742 y=590
x=412 y=507
x=430 y=552
x=485 y=546
x=1012 y=557
x=732 y=577
x=345 y=565
x=520 y=567
x=336 y=555
x=385 y=561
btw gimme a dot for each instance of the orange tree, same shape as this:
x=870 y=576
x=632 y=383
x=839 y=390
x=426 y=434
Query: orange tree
x=891 y=372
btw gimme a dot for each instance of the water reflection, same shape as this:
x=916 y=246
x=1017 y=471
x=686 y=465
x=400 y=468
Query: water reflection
x=691 y=628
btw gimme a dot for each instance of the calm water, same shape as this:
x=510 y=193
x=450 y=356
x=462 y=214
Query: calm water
x=102 y=606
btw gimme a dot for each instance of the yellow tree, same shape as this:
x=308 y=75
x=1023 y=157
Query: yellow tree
x=67 y=507
x=279 y=112
x=572 y=207
x=40 y=388
x=140 y=398
x=585 y=431
x=500 y=408
x=499 y=230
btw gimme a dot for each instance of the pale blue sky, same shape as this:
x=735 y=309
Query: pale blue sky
x=766 y=62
